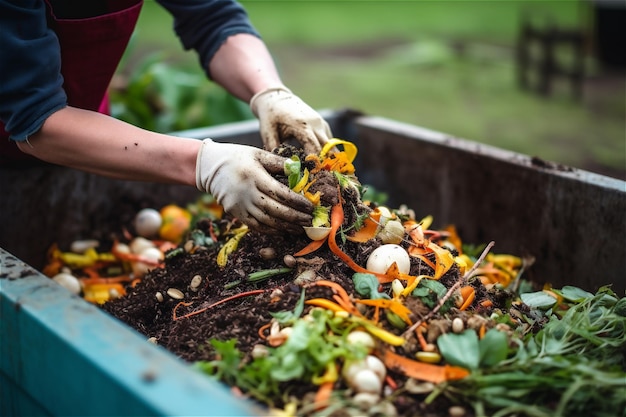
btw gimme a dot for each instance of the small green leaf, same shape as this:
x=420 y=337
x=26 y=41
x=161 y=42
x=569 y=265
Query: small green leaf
x=574 y=294
x=620 y=307
x=460 y=349
x=320 y=216
x=367 y=285
x=292 y=170
x=429 y=291
x=291 y=368
x=493 y=348
x=285 y=317
x=539 y=299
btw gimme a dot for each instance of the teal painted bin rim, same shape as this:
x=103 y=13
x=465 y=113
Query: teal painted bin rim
x=72 y=358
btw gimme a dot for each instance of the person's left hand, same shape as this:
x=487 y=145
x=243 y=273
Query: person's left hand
x=241 y=178
x=284 y=116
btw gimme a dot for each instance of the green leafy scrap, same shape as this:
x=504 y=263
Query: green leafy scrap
x=292 y=170
x=321 y=216
x=467 y=351
x=367 y=285
x=430 y=291
x=312 y=345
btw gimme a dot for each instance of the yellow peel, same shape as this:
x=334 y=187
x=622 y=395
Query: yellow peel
x=230 y=246
x=382 y=334
x=348 y=147
x=300 y=185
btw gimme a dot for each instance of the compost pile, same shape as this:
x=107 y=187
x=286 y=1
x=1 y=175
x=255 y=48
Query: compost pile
x=370 y=313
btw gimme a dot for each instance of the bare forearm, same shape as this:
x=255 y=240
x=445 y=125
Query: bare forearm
x=244 y=66
x=100 y=144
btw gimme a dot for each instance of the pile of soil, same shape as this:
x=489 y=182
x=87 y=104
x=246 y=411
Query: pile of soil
x=242 y=318
x=184 y=321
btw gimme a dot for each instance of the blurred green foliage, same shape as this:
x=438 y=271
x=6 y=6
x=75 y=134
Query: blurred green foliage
x=446 y=65
x=163 y=97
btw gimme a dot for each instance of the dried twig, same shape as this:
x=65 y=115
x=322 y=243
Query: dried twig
x=202 y=310
x=451 y=291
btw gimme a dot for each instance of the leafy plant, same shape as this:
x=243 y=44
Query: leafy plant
x=313 y=345
x=574 y=366
x=160 y=97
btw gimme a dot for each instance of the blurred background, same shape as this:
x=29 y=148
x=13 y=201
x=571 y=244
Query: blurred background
x=544 y=78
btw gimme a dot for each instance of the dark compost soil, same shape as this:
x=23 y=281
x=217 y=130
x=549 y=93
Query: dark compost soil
x=148 y=308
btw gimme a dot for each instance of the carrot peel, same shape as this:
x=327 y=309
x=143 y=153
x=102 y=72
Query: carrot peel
x=310 y=248
x=422 y=371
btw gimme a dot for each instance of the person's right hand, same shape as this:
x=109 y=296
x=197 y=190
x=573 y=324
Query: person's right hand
x=239 y=177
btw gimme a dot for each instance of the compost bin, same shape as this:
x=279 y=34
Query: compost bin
x=62 y=356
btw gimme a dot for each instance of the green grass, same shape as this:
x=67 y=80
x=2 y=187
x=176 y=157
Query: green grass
x=330 y=22
x=407 y=71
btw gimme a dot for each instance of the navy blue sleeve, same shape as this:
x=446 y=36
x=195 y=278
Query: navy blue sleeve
x=31 y=85
x=204 y=25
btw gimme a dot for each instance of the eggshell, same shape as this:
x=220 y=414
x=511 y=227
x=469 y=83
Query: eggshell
x=68 y=281
x=384 y=256
x=359 y=337
x=366 y=380
x=317 y=233
x=81 y=246
x=140 y=268
x=393 y=232
x=377 y=366
x=365 y=400
x=139 y=244
x=148 y=222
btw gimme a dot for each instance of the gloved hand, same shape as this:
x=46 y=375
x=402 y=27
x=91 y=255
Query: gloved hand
x=283 y=116
x=239 y=177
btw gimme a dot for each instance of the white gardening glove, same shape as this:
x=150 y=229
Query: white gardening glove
x=284 y=116
x=239 y=177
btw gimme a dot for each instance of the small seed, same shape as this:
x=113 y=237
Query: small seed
x=189 y=245
x=457 y=325
x=152 y=340
x=267 y=253
x=175 y=294
x=289 y=261
x=342 y=314
x=307 y=276
x=416 y=387
x=365 y=400
x=159 y=297
x=503 y=327
x=276 y=292
x=195 y=282
x=430 y=347
x=113 y=293
x=259 y=351
x=456 y=411
x=397 y=287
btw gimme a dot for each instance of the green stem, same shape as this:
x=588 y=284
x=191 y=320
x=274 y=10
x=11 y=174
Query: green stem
x=267 y=273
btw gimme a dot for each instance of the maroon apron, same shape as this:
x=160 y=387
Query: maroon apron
x=91 y=49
